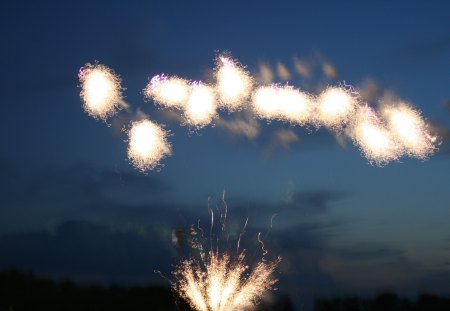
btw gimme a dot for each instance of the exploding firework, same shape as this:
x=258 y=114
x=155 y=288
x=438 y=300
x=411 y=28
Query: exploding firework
x=170 y=92
x=147 y=145
x=220 y=281
x=335 y=106
x=221 y=284
x=234 y=84
x=200 y=109
x=376 y=142
x=100 y=91
x=409 y=129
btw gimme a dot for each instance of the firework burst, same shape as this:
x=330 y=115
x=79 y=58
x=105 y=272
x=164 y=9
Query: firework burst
x=100 y=91
x=147 y=145
x=221 y=281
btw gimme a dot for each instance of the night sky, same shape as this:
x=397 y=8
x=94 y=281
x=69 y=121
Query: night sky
x=72 y=206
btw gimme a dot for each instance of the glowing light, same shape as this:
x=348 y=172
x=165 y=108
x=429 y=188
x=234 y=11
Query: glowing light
x=221 y=284
x=219 y=281
x=100 y=91
x=410 y=130
x=334 y=107
x=171 y=92
x=233 y=84
x=147 y=145
x=295 y=106
x=282 y=103
x=375 y=141
x=201 y=106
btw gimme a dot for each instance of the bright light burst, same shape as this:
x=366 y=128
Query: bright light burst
x=200 y=109
x=265 y=102
x=171 y=92
x=100 y=91
x=220 y=284
x=147 y=145
x=234 y=84
x=376 y=142
x=410 y=130
x=284 y=103
x=335 y=106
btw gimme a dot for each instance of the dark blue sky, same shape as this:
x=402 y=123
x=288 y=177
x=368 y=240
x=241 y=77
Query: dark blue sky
x=73 y=206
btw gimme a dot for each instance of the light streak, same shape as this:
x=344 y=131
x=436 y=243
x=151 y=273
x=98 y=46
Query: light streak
x=147 y=145
x=100 y=91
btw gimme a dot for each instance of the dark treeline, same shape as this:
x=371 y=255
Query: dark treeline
x=385 y=302
x=26 y=292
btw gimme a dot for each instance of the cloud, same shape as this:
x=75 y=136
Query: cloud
x=88 y=252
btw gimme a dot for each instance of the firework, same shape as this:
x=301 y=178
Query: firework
x=282 y=103
x=233 y=83
x=100 y=91
x=201 y=105
x=265 y=102
x=221 y=284
x=410 y=130
x=219 y=281
x=376 y=142
x=170 y=92
x=335 y=106
x=147 y=145
x=295 y=106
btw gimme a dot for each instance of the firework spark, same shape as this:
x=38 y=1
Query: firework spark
x=335 y=106
x=100 y=91
x=200 y=109
x=284 y=103
x=221 y=284
x=410 y=130
x=147 y=145
x=170 y=92
x=376 y=142
x=218 y=280
x=234 y=84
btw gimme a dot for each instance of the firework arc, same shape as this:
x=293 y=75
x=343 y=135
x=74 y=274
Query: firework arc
x=394 y=130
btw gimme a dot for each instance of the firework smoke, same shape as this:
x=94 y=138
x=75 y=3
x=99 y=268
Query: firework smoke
x=147 y=145
x=100 y=91
x=233 y=84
